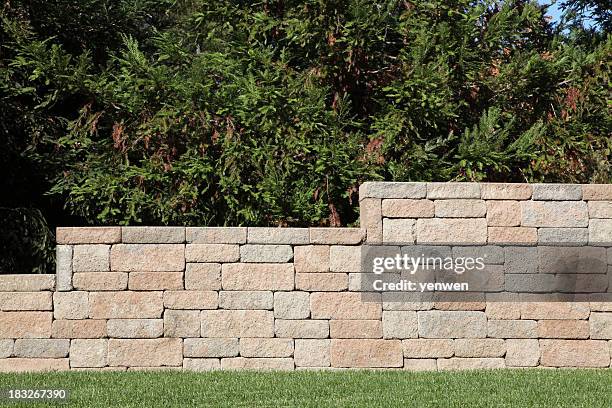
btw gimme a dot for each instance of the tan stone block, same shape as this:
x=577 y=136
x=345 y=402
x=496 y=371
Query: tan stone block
x=216 y=235
x=559 y=192
x=311 y=258
x=88 y=235
x=91 y=258
x=135 y=328
x=241 y=363
x=601 y=325
x=153 y=235
x=503 y=306
x=14 y=301
x=6 y=348
x=458 y=363
x=258 y=347
x=305 y=329
x=211 y=347
x=460 y=208
x=512 y=329
x=522 y=353
x=246 y=300
x=513 y=235
x=322 y=282
x=428 y=348
x=365 y=353
x=575 y=353
x=289 y=236
x=266 y=253
x=148 y=257
x=201 y=364
x=345 y=258
x=387 y=189
x=145 y=353
x=88 y=352
x=26 y=283
x=212 y=253
x=337 y=236
x=420 y=364
x=451 y=231
x=503 y=213
x=400 y=325
x=25 y=325
x=41 y=348
x=78 y=329
x=453 y=190
x=156 y=281
x=554 y=310
x=237 y=323
x=203 y=276
x=480 y=348
x=312 y=353
x=597 y=192
x=457 y=306
x=182 y=323
x=328 y=305
x=100 y=281
x=243 y=276
x=600 y=209
x=505 y=191
x=70 y=305
x=355 y=329
x=370 y=219
x=563 y=329
x=125 y=305
x=600 y=232
x=291 y=305
x=399 y=208
x=63 y=267
x=451 y=324
x=398 y=230
x=21 y=365
x=554 y=214
x=191 y=299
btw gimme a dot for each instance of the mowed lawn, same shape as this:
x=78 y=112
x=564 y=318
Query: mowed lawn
x=505 y=388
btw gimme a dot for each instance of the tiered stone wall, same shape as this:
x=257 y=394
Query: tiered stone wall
x=290 y=298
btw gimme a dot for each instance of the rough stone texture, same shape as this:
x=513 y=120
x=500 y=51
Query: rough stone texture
x=392 y=190
x=191 y=299
x=100 y=281
x=337 y=236
x=312 y=353
x=521 y=260
x=450 y=230
x=311 y=258
x=399 y=231
x=554 y=214
x=600 y=209
x=558 y=192
x=27 y=283
x=554 y=310
x=601 y=325
x=148 y=257
x=480 y=348
x=505 y=191
x=400 y=325
x=258 y=347
x=243 y=276
x=460 y=208
x=563 y=329
x=22 y=365
x=212 y=253
x=428 y=348
x=25 y=325
x=365 y=353
x=246 y=300
x=203 y=276
x=355 y=329
x=216 y=235
x=241 y=363
x=237 y=323
x=88 y=352
x=15 y=301
x=343 y=306
x=6 y=348
x=214 y=347
x=321 y=282
x=305 y=329
x=370 y=218
x=70 y=305
x=458 y=363
x=125 y=305
x=345 y=258
x=597 y=192
x=201 y=364
x=575 y=353
x=500 y=310
x=512 y=329
x=289 y=236
x=135 y=328
x=145 y=353
x=446 y=324
x=41 y=348
x=91 y=258
x=153 y=235
x=563 y=236
x=600 y=232
x=181 y=323
x=513 y=235
x=398 y=208
x=291 y=305
x=420 y=364
x=453 y=190
x=88 y=235
x=266 y=253
x=156 y=281
x=503 y=213
x=79 y=329
x=522 y=353
x=63 y=267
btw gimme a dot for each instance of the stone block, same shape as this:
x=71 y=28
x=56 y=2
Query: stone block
x=563 y=214
x=448 y=324
x=370 y=218
x=305 y=329
x=216 y=235
x=480 y=347
x=6 y=348
x=125 y=305
x=356 y=329
x=451 y=231
x=88 y=235
x=345 y=305
x=258 y=347
x=460 y=208
x=22 y=365
x=100 y=281
x=242 y=363
x=522 y=353
x=563 y=329
x=91 y=258
x=182 y=323
x=15 y=301
x=575 y=353
x=237 y=323
x=291 y=305
x=201 y=364
x=203 y=276
x=28 y=283
x=513 y=235
x=401 y=208
x=321 y=282
x=88 y=352
x=263 y=276
x=554 y=310
x=191 y=299
x=78 y=329
x=601 y=326
x=345 y=258
x=400 y=231
x=145 y=353
x=148 y=257
x=512 y=329
x=135 y=328
x=503 y=213
x=520 y=260
x=70 y=305
x=400 y=324
x=266 y=253
x=364 y=353
x=563 y=236
x=153 y=235
x=246 y=300
x=600 y=209
x=288 y=236
x=156 y=281
x=506 y=191
x=311 y=258
x=211 y=347
x=597 y=192
x=428 y=348
x=446 y=190
x=25 y=325
x=600 y=232
x=373 y=189
x=420 y=364
x=336 y=236
x=459 y=363
x=212 y=253
x=41 y=348
x=63 y=267
x=558 y=192
x=312 y=353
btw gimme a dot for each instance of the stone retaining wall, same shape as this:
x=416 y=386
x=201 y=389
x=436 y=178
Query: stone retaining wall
x=290 y=298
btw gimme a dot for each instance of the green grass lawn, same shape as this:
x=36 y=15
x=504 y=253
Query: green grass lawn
x=507 y=388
